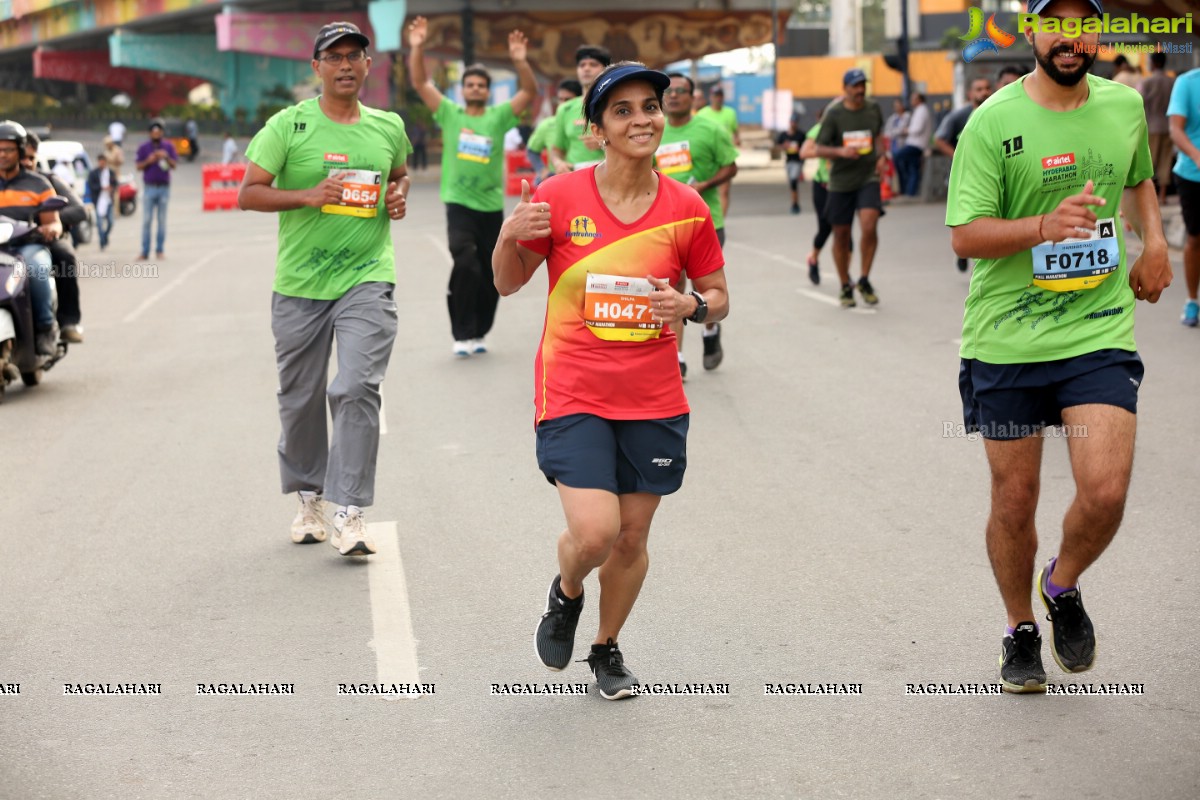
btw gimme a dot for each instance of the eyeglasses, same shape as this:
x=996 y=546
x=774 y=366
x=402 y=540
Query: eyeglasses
x=677 y=90
x=335 y=59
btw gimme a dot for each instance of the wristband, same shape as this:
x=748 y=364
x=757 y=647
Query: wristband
x=1041 y=236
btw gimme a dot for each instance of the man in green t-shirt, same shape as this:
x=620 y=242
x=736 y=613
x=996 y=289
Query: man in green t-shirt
x=335 y=170
x=695 y=151
x=850 y=139
x=472 y=180
x=1036 y=193
x=726 y=119
x=573 y=145
x=539 y=141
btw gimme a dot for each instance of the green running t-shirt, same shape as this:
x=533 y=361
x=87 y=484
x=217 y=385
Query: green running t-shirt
x=697 y=149
x=325 y=252
x=726 y=118
x=822 y=173
x=473 y=154
x=1016 y=159
x=569 y=135
x=542 y=136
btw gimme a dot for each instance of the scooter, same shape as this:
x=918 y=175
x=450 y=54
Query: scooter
x=127 y=193
x=18 y=354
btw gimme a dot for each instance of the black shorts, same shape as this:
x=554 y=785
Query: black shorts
x=1189 y=203
x=1012 y=401
x=619 y=456
x=840 y=207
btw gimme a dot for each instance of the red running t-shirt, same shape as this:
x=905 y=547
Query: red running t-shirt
x=624 y=376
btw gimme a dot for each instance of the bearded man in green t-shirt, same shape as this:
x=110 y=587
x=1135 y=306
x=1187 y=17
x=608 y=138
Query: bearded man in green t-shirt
x=472 y=180
x=1040 y=177
x=322 y=165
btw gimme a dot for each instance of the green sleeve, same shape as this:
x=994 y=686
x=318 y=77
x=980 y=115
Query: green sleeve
x=268 y=148
x=403 y=145
x=1141 y=168
x=444 y=111
x=976 y=175
x=727 y=153
x=507 y=119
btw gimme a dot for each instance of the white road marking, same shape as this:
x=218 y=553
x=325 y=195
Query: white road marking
x=161 y=293
x=394 y=644
x=442 y=247
x=791 y=262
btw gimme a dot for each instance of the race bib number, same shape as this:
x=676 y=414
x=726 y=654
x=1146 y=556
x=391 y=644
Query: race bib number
x=474 y=147
x=617 y=309
x=360 y=193
x=674 y=158
x=859 y=140
x=1078 y=263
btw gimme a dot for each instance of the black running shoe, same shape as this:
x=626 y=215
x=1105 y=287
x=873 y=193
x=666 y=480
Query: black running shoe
x=814 y=272
x=683 y=370
x=712 y=349
x=847 y=296
x=961 y=264
x=868 y=293
x=1021 y=660
x=556 y=632
x=613 y=678
x=1074 y=642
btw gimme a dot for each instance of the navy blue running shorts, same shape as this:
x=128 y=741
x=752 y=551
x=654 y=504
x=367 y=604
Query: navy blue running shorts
x=619 y=456
x=1012 y=401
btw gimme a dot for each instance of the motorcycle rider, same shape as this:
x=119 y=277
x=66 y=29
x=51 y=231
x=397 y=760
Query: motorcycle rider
x=62 y=253
x=22 y=194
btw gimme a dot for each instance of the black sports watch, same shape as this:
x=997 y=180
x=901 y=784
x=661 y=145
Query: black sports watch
x=701 y=311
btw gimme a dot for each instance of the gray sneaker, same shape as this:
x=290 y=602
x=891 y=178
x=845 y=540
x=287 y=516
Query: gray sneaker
x=613 y=678
x=555 y=637
x=1021 y=660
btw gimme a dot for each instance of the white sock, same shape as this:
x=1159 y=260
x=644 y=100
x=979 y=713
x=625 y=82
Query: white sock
x=680 y=354
x=713 y=331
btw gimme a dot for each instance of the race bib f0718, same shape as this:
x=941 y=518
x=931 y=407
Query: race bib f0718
x=617 y=309
x=360 y=193
x=1078 y=263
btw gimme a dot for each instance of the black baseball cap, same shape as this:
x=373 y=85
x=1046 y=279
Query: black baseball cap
x=619 y=75
x=335 y=31
x=1038 y=6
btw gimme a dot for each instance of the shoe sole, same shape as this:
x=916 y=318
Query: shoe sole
x=309 y=538
x=620 y=695
x=1053 y=649
x=714 y=361
x=1031 y=686
x=549 y=595
x=361 y=547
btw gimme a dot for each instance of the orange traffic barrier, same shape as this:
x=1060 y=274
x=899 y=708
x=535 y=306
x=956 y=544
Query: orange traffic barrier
x=221 y=182
x=518 y=168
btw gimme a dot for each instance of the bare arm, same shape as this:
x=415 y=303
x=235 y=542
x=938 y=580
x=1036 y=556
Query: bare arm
x=724 y=175
x=257 y=193
x=513 y=264
x=526 y=82
x=1151 y=273
x=943 y=147
x=418 y=32
x=991 y=237
x=51 y=226
x=1180 y=138
x=668 y=305
x=809 y=149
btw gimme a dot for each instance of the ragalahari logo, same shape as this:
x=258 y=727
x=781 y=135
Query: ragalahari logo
x=992 y=38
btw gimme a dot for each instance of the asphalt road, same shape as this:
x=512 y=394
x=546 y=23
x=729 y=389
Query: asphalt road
x=828 y=532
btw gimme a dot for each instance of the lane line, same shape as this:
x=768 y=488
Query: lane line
x=161 y=293
x=394 y=644
x=767 y=254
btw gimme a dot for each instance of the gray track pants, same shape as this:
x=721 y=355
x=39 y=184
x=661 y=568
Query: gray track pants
x=364 y=323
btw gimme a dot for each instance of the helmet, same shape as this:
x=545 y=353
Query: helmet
x=13 y=132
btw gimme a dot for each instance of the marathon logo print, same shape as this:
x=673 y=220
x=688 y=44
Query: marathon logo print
x=1059 y=169
x=1050 y=162
x=582 y=231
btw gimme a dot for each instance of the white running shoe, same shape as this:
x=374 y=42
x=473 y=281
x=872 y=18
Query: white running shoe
x=462 y=349
x=350 y=534
x=478 y=346
x=310 y=524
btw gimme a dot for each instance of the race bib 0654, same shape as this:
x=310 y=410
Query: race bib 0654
x=360 y=193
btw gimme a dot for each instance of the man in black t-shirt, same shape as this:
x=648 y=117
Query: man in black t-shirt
x=791 y=141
